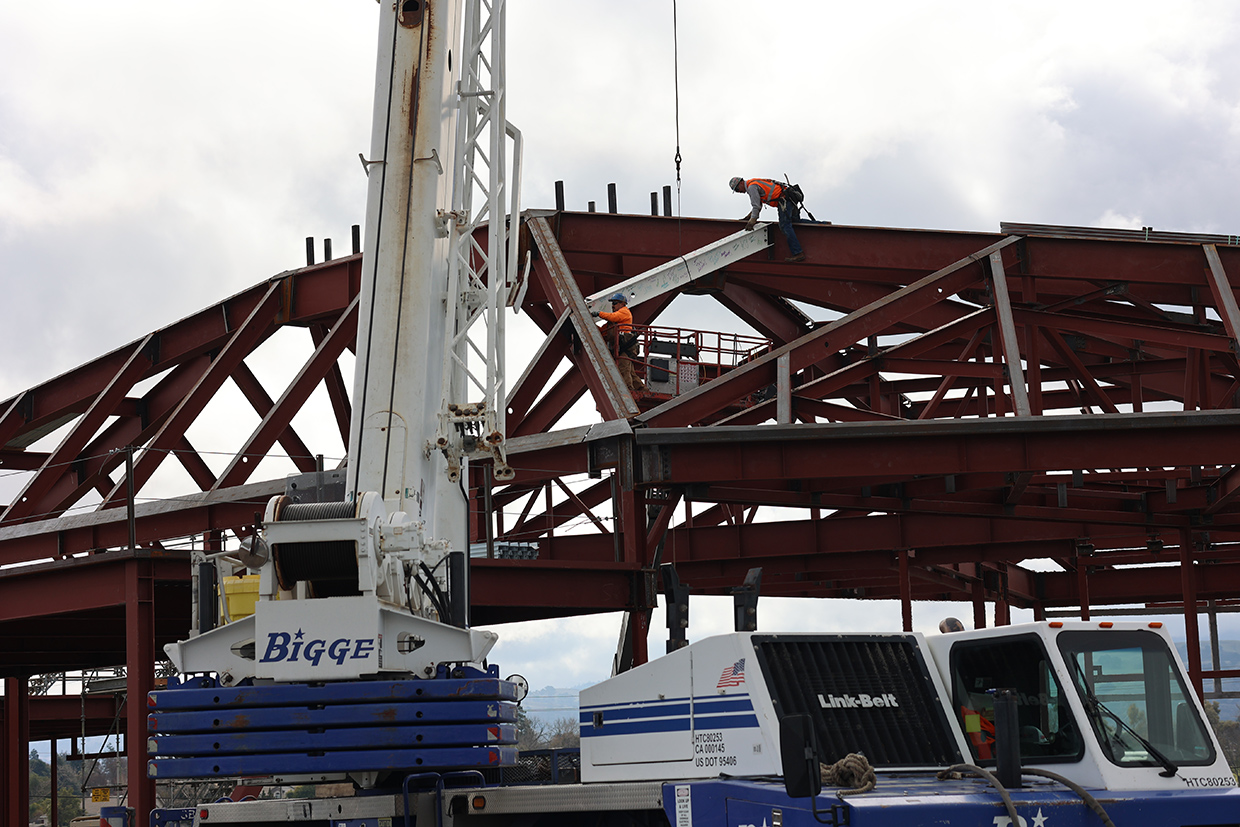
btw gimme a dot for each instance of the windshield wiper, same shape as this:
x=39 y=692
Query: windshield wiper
x=1094 y=706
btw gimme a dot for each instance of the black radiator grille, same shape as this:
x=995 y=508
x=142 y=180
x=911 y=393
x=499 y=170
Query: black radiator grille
x=865 y=693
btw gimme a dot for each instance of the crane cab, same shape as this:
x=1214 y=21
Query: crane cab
x=1107 y=704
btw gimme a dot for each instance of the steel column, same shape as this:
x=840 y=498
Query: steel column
x=906 y=591
x=1192 y=638
x=979 y=604
x=1007 y=336
x=16 y=751
x=140 y=678
x=1082 y=586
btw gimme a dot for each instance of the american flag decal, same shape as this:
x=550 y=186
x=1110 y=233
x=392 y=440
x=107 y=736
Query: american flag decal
x=734 y=675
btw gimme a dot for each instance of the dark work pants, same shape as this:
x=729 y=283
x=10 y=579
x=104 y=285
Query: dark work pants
x=789 y=214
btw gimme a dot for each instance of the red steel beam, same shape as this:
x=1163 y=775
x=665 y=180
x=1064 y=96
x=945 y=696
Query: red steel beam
x=333 y=382
x=510 y=590
x=193 y=463
x=942 y=447
x=188 y=515
x=601 y=374
x=776 y=319
x=256 y=327
x=63 y=716
x=310 y=293
x=962 y=538
x=554 y=404
x=254 y=392
x=92 y=583
x=278 y=416
x=813 y=347
x=600 y=248
x=96 y=414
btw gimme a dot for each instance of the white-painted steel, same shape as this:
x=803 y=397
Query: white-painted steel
x=680 y=271
x=480 y=277
x=405 y=270
x=425 y=282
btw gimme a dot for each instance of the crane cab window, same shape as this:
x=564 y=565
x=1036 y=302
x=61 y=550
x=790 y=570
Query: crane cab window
x=1135 y=698
x=1048 y=731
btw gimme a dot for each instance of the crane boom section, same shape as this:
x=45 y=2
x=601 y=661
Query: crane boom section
x=404 y=306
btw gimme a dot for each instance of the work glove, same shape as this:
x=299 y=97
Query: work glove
x=594 y=313
x=750 y=223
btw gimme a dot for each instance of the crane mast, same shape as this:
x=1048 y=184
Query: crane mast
x=386 y=567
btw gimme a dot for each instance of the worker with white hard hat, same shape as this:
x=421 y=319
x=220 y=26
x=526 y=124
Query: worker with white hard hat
x=767 y=191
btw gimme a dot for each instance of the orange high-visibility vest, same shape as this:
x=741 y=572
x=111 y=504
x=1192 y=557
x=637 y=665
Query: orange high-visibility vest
x=622 y=318
x=771 y=191
x=980 y=731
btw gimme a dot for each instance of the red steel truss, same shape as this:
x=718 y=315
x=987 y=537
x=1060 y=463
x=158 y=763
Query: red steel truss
x=1043 y=417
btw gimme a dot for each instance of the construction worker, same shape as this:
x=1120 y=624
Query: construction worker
x=979 y=728
x=766 y=191
x=623 y=340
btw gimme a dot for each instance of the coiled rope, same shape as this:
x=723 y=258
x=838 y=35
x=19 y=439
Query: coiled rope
x=852 y=771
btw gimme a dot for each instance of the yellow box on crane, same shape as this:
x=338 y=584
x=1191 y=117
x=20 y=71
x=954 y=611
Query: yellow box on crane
x=241 y=593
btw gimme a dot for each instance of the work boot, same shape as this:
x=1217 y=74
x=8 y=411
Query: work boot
x=797 y=257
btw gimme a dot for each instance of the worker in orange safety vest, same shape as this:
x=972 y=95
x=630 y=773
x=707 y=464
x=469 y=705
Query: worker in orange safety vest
x=979 y=728
x=766 y=191
x=619 y=333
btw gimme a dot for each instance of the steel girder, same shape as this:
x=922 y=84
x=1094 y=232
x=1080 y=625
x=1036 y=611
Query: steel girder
x=66 y=716
x=188 y=362
x=959 y=403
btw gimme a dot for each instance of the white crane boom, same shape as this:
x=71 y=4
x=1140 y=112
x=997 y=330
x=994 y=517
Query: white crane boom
x=385 y=569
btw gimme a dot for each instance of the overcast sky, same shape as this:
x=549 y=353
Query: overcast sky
x=156 y=157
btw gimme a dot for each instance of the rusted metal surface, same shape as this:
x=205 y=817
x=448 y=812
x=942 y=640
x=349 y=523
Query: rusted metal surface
x=853 y=270
x=902 y=470
x=597 y=367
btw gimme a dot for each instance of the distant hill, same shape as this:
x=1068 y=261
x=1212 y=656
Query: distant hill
x=552 y=703
x=1228 y=653
x=1228 y=658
